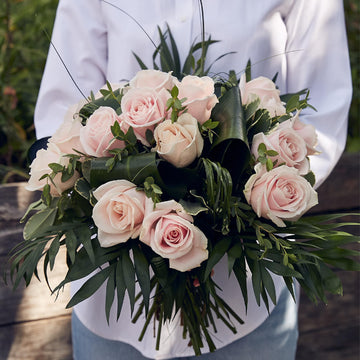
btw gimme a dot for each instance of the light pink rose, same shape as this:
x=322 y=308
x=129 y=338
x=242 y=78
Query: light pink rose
x=39 y=167
x=119 y=212
x=264 y=89
x=279 y=194
x=169 y=231
x=153 y=79
x=179 y=143
x=199 y=94
x=96 y=137
x=306 y=131
x=142 y=109
x=291 y=148
x=67 y=136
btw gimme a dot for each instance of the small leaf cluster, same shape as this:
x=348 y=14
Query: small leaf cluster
x=152 y=190
x=175 y=104
x=265 y=155
x=207 y=129
x=130 y=141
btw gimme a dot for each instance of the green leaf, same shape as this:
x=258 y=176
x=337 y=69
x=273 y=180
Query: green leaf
x=192 y=208
x=239 y=269
x=135 y=168
x=39 y=223
x=140 y=62
x=110 y=293
x=310 y=177
x=129 y=277
x=268 y=283
x=36 y=205
x=248 y=71
x=232 y=135
x=142 y=274
x=71 y=244
x=90 y=286
x=219 y=250
x=250 y=109
x=83 y=188
x=120 y=286
x=84 y=234
x=53 y=251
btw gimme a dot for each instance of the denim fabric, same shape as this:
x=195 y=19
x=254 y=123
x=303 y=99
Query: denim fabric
x=274 y=339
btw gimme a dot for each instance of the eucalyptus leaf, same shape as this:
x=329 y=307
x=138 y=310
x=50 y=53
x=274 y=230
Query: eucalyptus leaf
x=39 y=223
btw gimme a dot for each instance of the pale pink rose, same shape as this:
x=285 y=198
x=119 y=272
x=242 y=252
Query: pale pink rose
x=170 y=232
x=264 y=89
x=279 y=194
x=291 y=148
x=199 y=94
x=179 y=143
x=39 y=167
x=96 y=136
x=119 y=212
x=67 y=136
x=306 y=131
x=153 y=79
x=143 y=109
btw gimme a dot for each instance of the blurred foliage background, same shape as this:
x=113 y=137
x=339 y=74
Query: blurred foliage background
x=23 y=50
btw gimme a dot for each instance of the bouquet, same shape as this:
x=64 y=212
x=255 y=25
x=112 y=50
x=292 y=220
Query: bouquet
x=156 y=180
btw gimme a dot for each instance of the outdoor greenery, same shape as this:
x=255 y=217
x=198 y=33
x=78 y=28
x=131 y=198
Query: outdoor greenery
x=23 y=50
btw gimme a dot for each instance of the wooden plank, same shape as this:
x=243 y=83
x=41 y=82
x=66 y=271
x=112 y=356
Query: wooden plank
x=331 y=332
x=46 y=339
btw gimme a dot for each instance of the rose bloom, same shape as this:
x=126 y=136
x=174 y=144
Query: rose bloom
x=305 y=131
x=264 y=89
x=154 y=79
x=119 y=211
x=199 y=94
x=291 y=148
x=179 y=143
x=39 y=167
x=142 y=109
x=96 y=136
x=279 y=194
x=67 y=136
x=169 y=231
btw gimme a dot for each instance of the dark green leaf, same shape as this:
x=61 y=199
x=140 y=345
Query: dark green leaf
x=129 y=277
x=142 y=274
x=39 y=223
x=90 y=286
x=110 y=293
x=219 y=250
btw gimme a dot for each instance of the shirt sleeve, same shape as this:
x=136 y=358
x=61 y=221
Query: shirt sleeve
x=318 y=59
x=78 y=50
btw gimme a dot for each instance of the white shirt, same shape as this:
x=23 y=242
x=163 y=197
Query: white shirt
x=303 y=41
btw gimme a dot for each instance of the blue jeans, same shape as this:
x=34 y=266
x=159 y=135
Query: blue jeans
x=274 y=339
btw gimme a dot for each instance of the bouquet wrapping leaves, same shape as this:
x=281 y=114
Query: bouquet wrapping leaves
x=156 y=180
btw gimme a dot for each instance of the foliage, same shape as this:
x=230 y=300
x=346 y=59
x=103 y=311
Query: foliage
x=23 y=50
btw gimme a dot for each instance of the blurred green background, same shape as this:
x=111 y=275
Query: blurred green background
x=23 y=50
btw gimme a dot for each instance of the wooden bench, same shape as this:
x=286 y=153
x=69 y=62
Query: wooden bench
x=34 y=326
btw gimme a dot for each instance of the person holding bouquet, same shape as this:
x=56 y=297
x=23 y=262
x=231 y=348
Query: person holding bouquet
x=303 y=42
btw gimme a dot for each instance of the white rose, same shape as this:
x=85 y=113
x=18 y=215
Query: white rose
x=179 y=143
